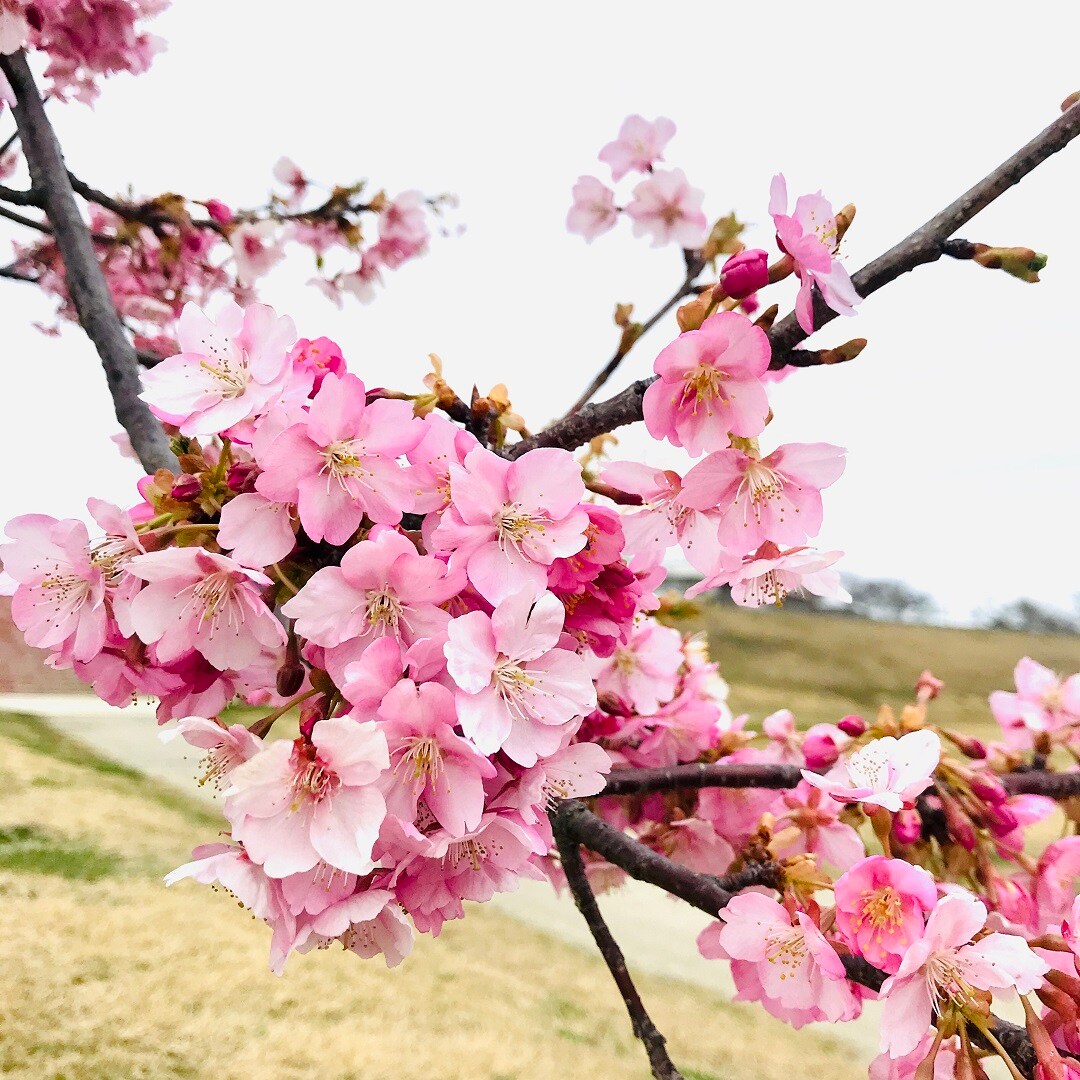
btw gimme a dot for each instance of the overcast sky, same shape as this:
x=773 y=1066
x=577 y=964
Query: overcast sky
x=960 y=418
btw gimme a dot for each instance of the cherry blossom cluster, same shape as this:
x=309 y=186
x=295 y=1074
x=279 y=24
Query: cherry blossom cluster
x=84 y=40
x=160 y=254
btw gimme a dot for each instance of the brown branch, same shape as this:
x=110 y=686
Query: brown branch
x=19 y=198
x=640 y=1021
x=21 y=219
x=694 y=265
x=13 y=273
x=924 y=245
x=85 y=281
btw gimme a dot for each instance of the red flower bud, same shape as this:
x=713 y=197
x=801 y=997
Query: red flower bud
x=745 y=273
x=852 y=725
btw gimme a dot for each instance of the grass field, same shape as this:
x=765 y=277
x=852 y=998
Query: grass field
x=107 y=975
x=823 y=667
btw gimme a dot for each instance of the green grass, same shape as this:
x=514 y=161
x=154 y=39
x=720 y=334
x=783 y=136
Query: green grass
x=28 y=849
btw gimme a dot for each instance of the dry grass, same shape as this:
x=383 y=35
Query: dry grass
x=106 y=974
x=823 y=667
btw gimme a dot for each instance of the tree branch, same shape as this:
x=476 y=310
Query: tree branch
x=19 y=198
x=85 y=280
x=578 y=882
x=924 y=245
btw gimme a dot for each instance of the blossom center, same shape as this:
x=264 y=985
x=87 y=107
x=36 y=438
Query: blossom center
x=213 y=598
x=882 y=908
x=703 y=384
x=760 y=484
x=230 y=375
x=342 y=461
x=516 y=525
x=109 y=555
x=870 y=767
x=626 y=661
x=383 y=610
x=946 y=974
x=424 y=757
x=66 y=590
x=472 y=851
x=314 y=782
x=786 y=947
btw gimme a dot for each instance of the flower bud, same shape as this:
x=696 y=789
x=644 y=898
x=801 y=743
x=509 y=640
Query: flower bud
x=745 y=273
x=1070 y=101
x=959 y=824
x=290 y=678
x=186 y=487
x=218 y=211
x=907 y=826
x=928 y=686
x=241 y=476
x=822 y=745
x=852 y=725
x=1020 y=262
x=988 y=788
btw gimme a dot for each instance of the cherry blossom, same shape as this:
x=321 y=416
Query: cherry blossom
x=1042 y=703
x=256 y=530
x=593 y=212
x=645 y=671
x=226 y=747
x=639 y=146
x=665 y=207
x=710 y=385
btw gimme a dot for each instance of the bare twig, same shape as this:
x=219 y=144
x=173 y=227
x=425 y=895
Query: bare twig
x=19 y=198
x=578 y=882
x=85 y=281
x=13 y=273
x=924 y=245
x=21 y=219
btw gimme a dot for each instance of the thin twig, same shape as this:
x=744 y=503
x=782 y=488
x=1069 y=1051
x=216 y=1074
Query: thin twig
x=642 y=1024
x=9 y=142
x=85 y=281
x=29 y=223
x=922 y=246
x=19 y=198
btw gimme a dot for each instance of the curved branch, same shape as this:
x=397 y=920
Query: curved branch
x=924 y=245
x=85 y=280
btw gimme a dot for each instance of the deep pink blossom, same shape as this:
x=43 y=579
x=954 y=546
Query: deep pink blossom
x=195 y=599
x=809 y=236
x=227 y=371
x=881 y=908
x=665 y=207
x=339 y=463
x=593 y=211
x=884 y=1067
x=508 y=520
x=295 y=803
x=1057 y=881
x=317 y=359
x=785 y=961
x=710 y=385
x=517 y=687
x=639 y=146
x=942 y=967
x=775 y=498
x=887 y=772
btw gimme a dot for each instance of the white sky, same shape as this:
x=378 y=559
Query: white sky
x=959 y=418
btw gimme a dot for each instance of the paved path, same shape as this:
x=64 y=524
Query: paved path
x=656 y=932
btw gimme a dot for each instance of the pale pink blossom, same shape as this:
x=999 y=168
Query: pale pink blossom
x=60 y=596
x=881 y=908
x=428 y=761
x=229 y=866
x=339 y=463
x=887 y=772
x=665 y=207
x=710 y=385
x=256 y=530
x=884 y=1067
x=593 y=211
x=775 y=498
x=443 y=444
x=771 y=574
x=226 y=747
x=517 y=688
x=287 y=172
x=781 y=960
x=665 y=519
x=509 y=520
x=1043 y=702
x=639 y=146
x=195 y=599
x=257 y=248
x=573 y=772
x=295 y=803
x=809 y=236
x=694 y=843
x=814 y=820
x=942 y=968
x=14 y=28
x=227 y=371
x=644 y=672
x=368 y=923
x=382 y=587
x=1057 y=880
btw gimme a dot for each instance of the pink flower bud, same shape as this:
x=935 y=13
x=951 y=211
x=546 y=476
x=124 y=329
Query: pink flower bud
x=852 y=725
x=928 y=687
x=907 y=826
x=989 y=788
x=241 y=476
x=959 y=824
x=745 y=273
x=218 y=211
x=822 y=746
x=186 y=487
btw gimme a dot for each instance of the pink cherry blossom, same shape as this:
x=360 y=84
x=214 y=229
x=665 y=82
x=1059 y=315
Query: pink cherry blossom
x=339 y=463
x=1042 y=703
x=287 y=172
x=665 y=207
x=295 y=803
x=517 y=687
x=771 y=574
x=822 y=744
x=508 y=520
x=1057 y=881
x=593 y=212
x=818 y=829
x=710 y=385
x=195 y=599
x=226 y=747
x=942 y=968
x=884 y=1067
x=428 y=761
x=887 y=772
x=317 y=359
x=666 y=518
x=808 y=235
x=775 y=498
x=639 y=146
x=645 y=671
x=229 y=866
x=257 y=248
x=227 y=371
x=382 y=587
x=14 y=27
x=785 y=961
x=368 y=923
x=881 y=908
x=443 y=444
x=257 y=531
x=745 y=273
x=573 y=772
